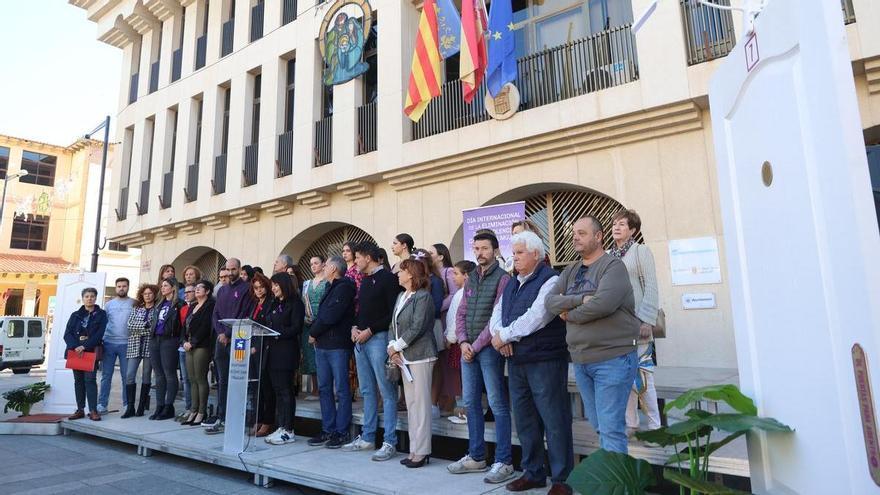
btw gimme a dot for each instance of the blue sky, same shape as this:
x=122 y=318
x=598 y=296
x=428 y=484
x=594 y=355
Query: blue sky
x=57 y=80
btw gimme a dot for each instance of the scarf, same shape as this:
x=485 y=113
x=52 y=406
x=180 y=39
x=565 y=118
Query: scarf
x=620 y=252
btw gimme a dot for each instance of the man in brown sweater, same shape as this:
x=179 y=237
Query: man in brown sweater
x=595 y=299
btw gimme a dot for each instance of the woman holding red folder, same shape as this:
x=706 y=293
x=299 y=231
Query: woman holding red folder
x=84 y=334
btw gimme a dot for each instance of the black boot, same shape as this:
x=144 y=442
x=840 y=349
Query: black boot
x=167 y=412
x=144 y=402
x=158 y=412
x=130 y=391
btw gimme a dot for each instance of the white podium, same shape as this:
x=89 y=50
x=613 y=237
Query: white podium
x=235 y=435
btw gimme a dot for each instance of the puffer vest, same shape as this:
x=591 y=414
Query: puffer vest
x=545 y=344
x=480 y=293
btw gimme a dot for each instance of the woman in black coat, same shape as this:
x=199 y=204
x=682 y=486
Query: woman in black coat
x=286 y=316
x=261 y=393
x=198 y=343
x=164 y=342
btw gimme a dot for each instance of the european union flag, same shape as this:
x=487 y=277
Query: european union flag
x=501 y=68
x=448 y=28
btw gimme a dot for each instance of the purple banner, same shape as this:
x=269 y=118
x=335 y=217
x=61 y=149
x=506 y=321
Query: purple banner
x=497 y=218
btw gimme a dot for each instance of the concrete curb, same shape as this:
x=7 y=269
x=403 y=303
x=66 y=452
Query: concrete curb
x=30 y=428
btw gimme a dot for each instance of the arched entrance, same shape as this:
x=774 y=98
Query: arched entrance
x=206 y=259
x=326 y=244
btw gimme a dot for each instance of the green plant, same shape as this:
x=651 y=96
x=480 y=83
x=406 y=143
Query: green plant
x=23 y=398
x=611 y=473
x=690 y=464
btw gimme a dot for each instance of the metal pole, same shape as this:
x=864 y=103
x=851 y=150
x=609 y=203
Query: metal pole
x=100 y=195
x=3 y=201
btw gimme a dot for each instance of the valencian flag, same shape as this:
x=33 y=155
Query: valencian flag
x=424 y=76
x=448 y=28
x=501 y=68
x=472 y=63
x=240 y=349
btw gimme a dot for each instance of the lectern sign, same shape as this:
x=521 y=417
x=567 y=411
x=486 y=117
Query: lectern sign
x=866 y=407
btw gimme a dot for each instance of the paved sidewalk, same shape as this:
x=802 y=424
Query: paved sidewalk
x=78 y=464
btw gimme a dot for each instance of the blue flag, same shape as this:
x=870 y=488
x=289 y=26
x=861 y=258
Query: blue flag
x=448 y=28
x=502 y=47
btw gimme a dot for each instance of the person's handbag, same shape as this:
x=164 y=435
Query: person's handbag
x=660 y=326
x=392 y=372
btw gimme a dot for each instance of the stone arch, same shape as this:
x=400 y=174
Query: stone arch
x=206 y=259
x=554 y=207
x=325 y=239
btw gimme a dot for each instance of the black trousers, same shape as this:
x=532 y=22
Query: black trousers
x=283 y=386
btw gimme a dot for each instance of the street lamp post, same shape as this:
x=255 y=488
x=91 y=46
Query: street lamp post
x=5 y=183
x=106 y=126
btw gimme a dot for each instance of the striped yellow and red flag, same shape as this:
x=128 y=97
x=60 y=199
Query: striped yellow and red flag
x=473 y=60
x=424 y=76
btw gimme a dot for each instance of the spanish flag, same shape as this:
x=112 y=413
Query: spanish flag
x=473 y=60
x=424 y=76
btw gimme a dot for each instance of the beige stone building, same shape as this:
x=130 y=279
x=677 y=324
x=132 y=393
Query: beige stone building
x=231 y=146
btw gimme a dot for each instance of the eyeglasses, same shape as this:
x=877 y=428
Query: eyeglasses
x=188 y=291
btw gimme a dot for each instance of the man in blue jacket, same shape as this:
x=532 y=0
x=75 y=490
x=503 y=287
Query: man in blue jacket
x=85 y=333
x=331 y=334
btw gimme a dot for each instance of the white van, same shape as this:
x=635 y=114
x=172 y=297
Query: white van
x=22 y=343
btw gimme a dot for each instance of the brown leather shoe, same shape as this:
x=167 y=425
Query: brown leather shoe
x=522 y=484
x=79 y=414
x=264 y=430
x=560 y=489
x=94 y=416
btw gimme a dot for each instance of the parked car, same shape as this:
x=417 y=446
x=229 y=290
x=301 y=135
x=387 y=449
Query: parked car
x=22 y=343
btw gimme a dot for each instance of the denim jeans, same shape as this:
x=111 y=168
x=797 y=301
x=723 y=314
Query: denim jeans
x=371 y=358
x=486 y=368
x=108 y=364
x=132 y=370
x=332 y=367
x=181 y=363
x=163 y=357
x=539 y=398
x=604 y=388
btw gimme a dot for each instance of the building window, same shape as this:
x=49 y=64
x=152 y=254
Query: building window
x=40 y=167
x=30 y=232
x=14 y=303
x=224 y=142
x=117 y=246
x=544 y=24
x=255 y=109
x=288 y=103
x=4 y=161
x=371 y=56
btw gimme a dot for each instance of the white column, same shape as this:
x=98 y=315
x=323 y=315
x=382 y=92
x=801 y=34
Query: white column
x=308 y=108
x=270 y=107
x=237 y=117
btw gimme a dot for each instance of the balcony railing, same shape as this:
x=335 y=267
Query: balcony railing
x=165 y=197
x=288 y=13
x=154 y=76
x=226 y=41
x=601 y=61
x=257 y=21
x=122 y=206
x=218 y=183
x=176 y=64
x=324 y=141
x=201 y=50
x=849 y=14
x=367 y=128
x=133 y=88
x=708 y=32
x=249 y=172
x=143 y=203
x=284 y=163
x=191 y=191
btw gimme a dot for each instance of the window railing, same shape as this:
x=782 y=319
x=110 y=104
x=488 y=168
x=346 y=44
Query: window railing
x=366 y=116
x=324 y=141
x=122 y=205
x=165 y=197
x=176 y=64
x=133 y=88
x=218 y=183
x=143 y=202
x=288 y=13
x=201 y=50
x=191 y=191
x=284 y=164
x=257 y=21
x=708 y=32
x=849 y=14
x=226 y=41
x=154 y=76
x=249 y=172
x=601 y=61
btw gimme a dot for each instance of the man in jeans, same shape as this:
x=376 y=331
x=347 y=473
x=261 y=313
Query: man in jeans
x=595 y=298
x=115 y=345
x=234 y=300
x=483 y=364
x=376 y=299
x=331 y=334
x=538 y=368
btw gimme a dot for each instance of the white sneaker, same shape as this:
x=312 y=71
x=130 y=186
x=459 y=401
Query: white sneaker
x=467 y=465
x=281 y=437
x=499 y=473
x=458 y=420
x=386 y=452
x=357 y=444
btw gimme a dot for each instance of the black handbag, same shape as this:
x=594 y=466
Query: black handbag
x=392 y=372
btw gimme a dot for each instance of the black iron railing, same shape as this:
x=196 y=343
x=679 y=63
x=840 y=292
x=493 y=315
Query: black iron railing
x=133 y=88
x=324 y=141
x=154 y=76
x=165 y=197
x=201 y=51
x=449 y=111
x=228 y=34
x=176 y=64
x=249 y=172
x=143 y=203
x=708 y=32
x=218 y=183
x=122 y=205
x=367 y=128
x=849 y=14
x=284 y=163
x=288 y=13
x=257 y=21
x=191 y=191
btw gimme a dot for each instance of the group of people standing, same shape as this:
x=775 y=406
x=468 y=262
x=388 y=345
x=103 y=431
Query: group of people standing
x=441 y=330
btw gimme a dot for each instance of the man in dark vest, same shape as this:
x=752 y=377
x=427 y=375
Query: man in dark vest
x=483 y=364
x=537 y=368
